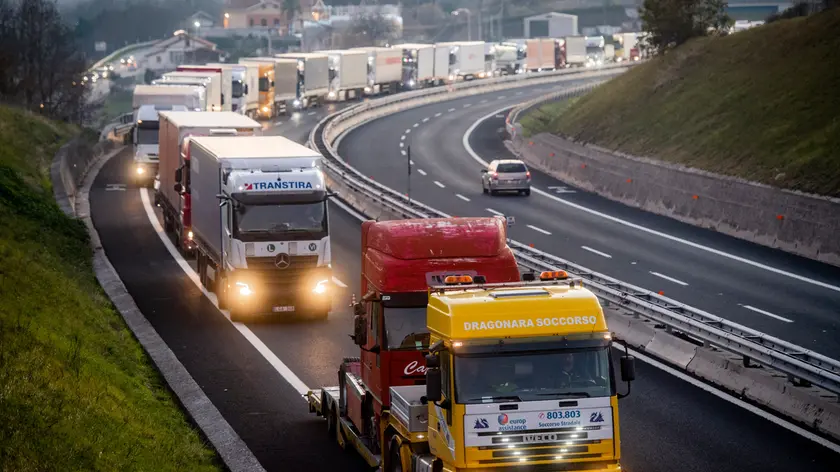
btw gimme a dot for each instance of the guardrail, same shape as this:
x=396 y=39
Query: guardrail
x=118 y=128
x=799 y=364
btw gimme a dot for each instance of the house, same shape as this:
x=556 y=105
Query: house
x=260 y=13
x=204 y=20
x=181 y=48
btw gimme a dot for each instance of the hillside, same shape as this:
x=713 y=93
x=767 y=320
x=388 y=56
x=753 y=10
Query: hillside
x=763 y=104
x=77 y=392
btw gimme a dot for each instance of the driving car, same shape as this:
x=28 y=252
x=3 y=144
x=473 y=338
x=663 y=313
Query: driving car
x=506 y=175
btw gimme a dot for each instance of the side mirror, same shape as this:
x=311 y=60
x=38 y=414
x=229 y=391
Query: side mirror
x=434 y=387
x=375 y=349
x=359 y=330
x=178 y=188
x=179 y=174
x=432 y=361
x=628 y=368
x=358 y=309
x=245 y=91
x=272 y=83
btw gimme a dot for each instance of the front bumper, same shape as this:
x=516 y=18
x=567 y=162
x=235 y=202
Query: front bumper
x=256 y=293
x=144 y=170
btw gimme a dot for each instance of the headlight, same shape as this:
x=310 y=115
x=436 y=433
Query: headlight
x=320 y=287
x=244 y=289
x=367 y=89
x=265 y=109
x=296 y=103
x=331 y=94
x=141 y=170
x=189 y=235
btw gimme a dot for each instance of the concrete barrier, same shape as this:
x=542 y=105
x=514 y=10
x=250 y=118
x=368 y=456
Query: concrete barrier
x=795 y=222
x=70 y=166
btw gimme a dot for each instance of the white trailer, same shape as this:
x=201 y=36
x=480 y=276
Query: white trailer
x=575 y=51
x=261 y=226
x=348 y=74
x=244 y=86
x=384 y=69
x=418 y=64
x=313 y=77
x=211 y=80
x=226 y=81
x=441 y=73
x=510 y=58
x=277 y=83
x=466 y=60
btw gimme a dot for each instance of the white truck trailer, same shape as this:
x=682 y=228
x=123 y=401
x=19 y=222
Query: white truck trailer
x=174 y=194
x=212 y=81
x=466 y=60
x=418 y=64
x=384 y=70
x=575 y=51
x=441 y=74
x=277 y=83
x=540 y=54
x=245 y=98
x=261 y=225
x=348 y=74
x=510 y=58
x=313 y=78
x=226 y=81
x=147 y=101
x=211 y=101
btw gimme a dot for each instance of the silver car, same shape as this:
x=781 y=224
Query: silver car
x=506 y=175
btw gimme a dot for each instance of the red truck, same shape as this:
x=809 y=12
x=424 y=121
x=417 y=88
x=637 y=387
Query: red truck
x=401 y=259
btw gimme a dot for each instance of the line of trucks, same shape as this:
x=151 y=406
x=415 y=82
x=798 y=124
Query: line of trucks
x=265 y=87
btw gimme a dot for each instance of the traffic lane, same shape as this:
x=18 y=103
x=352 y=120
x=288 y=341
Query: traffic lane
x=718 y=285
x=313 y=350
x=266 y=412
x=298 y=125
x=667 y=424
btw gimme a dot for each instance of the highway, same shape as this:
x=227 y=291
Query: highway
x=255 y=373
x=695 y=266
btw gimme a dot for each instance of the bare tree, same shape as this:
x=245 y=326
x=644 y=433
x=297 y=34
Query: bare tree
x=369 y=29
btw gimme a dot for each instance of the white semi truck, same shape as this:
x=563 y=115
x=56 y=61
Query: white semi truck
x=147 y=101
x=418 y=64
x=575 y=51
x=348 y=74
x=226 y=81
x=212 y=82
x=313 y=78
x=261 y=226
x=466 y=60
x=245 y=97
x=384 y=69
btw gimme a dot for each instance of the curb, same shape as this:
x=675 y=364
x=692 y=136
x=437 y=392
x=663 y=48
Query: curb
x=235 y=454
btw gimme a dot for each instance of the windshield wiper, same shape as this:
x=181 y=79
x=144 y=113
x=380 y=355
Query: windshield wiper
x=565 y=394
x=500 y=398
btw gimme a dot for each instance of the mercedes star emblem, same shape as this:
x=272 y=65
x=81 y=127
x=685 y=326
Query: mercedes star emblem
x=282 y=261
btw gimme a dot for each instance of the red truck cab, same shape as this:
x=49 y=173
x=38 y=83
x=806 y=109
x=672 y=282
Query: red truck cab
x=401 y=259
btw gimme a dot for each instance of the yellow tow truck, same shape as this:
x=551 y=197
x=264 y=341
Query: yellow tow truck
x=519 y=376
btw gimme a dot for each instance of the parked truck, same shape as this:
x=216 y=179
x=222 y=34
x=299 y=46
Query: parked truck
x=261 y=226
x=244 y=87
x=147 y=101
x=629 y=47
x=575 y=51
x=348 y=74
x=540 y=54
x=384 y=69
x=418 y=65
x=277 y=84
x=226 y=81
x=510 y=58
x=441 y=75
x=519 y=376
x=212 y=81
x=313 y=78
x=176 y=132
x=466 y=60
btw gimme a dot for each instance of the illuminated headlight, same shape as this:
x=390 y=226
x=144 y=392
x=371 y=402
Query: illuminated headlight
x=189 y=235
x=367 y=89
x=296 y=103
x=265 y=109
x=411 y=83
x=331 y=94
x=451 y=77
x=141 y=170
x=320 y=287
x=244 y=289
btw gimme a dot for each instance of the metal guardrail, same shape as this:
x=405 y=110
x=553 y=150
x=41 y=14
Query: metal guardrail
x=795 y=361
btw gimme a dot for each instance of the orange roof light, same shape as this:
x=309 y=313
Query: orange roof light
x=554 y=275
x=458 y=279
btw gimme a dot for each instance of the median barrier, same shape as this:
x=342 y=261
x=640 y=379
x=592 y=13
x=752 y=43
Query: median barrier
x=667 y=346
x=636 y=332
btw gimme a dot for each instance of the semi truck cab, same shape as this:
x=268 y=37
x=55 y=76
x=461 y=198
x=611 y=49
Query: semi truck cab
x=146 y=140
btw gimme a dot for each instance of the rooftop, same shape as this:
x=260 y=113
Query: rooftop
x=209 y=119
x=254 y=147
x=439 y=237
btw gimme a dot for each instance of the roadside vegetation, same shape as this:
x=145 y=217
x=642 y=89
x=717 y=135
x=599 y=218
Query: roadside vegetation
x=761 y=104
x=77 y=391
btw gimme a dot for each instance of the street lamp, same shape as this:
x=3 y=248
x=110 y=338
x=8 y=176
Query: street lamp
x=197 y=25
x=467 y=12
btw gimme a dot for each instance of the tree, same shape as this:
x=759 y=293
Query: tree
x=290 y=7
x=369 y=29
x=673 y=22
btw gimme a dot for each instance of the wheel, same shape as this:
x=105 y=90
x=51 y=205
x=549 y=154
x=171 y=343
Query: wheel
x=527 y=192
x=331 y=420
x=483 y=187
x=221 y=291
x=395 y=462
x=493 y=192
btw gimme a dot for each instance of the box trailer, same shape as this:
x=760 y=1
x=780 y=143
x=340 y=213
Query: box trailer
x=466 y=60
x=418 y=64
x=384 y=69
x=226 y=81
x=575 y=51
x=244 y=93
x=441 y=73
x=212 y=81
x=540 y=54
x=261 y=225
x=347 y=74
x=174 y=194
x=313 y=77
x=277 y=84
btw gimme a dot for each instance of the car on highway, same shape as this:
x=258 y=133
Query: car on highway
x=506 y=175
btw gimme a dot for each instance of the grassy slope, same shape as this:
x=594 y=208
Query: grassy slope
x=76 y=389
x=761 y=104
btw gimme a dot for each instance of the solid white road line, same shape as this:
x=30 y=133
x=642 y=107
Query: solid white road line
x=425 y=119
x=416 y=124
x=438 y=114
x=439 y=184
x=339 y=283
x=451 y=110
x=737 y=402
x=602 y=254
x=421 y=171
x=462 y=197
x=670 y=279
x=272 y=358
x=402 y=138
x=539 y=230
x=495 y=212
x=767 y=313
x=408 y=131
x=466 y=143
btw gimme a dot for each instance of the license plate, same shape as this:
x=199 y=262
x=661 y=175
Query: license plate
x=283 y=309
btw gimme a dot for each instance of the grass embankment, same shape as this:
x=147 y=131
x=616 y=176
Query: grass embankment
x=77 y=391
x=761 y=104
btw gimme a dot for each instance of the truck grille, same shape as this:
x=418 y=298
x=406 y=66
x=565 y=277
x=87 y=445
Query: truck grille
x=295 y=263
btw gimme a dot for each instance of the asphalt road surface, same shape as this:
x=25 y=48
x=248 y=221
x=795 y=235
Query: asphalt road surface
x=666 y=424
x=446 y=176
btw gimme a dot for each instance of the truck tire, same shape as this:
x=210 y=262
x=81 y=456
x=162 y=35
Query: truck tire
x=394 y=459
x=332 y=422
x=221 y=291
x=236 y=315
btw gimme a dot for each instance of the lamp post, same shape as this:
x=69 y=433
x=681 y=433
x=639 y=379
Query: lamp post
x=467 y=12
x=197 y=25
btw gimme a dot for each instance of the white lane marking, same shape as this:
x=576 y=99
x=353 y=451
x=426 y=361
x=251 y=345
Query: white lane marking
x=416 y=124
x=462 y=197
x=737 y=402
x=402 y=151
x=670 y=279
x=495 y=212
x=115 y=187
x=466 y=143
x=451 y=110
x=439 y=184
x=272 y=358
x=539 y=230
x=421 y=171
x=438 y=114
x=410 y=162
x=595 y=251
x=339 y=283
x=408 y=131
x=484 y=101
x=561 y=189
x=500 y=97
x=500 y=116
x=311 y=113
x=518 y=93
x=467 y=105
x=402 y=138
x=425 y=119
x=402 y=144
x=276 y=124
x=767 y=313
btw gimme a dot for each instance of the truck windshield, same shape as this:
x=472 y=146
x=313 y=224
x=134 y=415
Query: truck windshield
x=535 y=375
x=281 y=222
x=147 y=135
x=236 y=88
x=405 y=328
